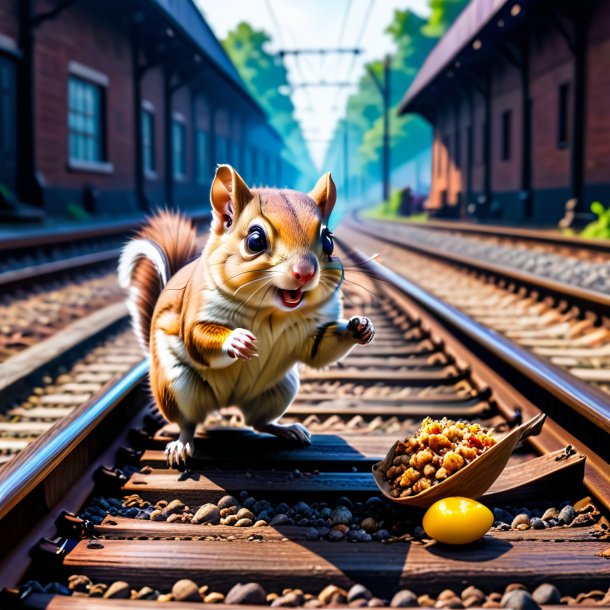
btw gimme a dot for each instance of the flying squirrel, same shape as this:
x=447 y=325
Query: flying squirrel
x=228 y=327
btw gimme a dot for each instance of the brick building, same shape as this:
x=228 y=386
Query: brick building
x=122 y=106
x=517 y=92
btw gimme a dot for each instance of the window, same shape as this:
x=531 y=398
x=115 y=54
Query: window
x=563 y=126
x=221 y=149
x=201 y=145
x=507 y=116
x=179 y=147
x=148 y=141
x=85 y=126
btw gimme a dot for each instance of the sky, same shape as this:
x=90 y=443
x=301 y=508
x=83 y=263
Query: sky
x=299 y=24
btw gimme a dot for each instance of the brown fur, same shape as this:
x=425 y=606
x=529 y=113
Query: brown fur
x=176 y=237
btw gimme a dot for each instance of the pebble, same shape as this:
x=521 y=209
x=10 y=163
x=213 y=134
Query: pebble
x=227 y=501
x=547 y=594
x=302 y=508
x=341 y=528
x=250 y=593
x=214 y=598
x=381 y=535
x=186 y=590
x=244 y=513
x=404 y=599
x=521 y=522
x=359 y=536
x=514 y=586
x=230 y=520
x=537 y=524
x=583 y=519
x=519 y=600
x=567 y=514
x=290 y=600
x=343 y=501
x=313 y=603
x=452 y=602
x=472 y=592
x=281 y=519
x=358 y=592
x=502 y=515
x=208 y=513
x=369 y=525
x=332 y=593
x=550 y=513
x=174 y=507
x=469 y=602
x=312 y=534
x=425 y=601
x=282 y=508
x=98 y=589
x=335 y=535
x=79 y=582
x=118 y=590
x=244 y=523
x=376 y=602
x=341 y=515
x=147 y=593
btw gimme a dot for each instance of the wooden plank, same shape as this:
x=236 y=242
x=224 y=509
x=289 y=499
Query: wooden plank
x=540 y=477
x=248 y=448
x=117 y=528
x=492 y=563
x=439 y=376
x=351 y=408
x=44 y=352
x=210 y=486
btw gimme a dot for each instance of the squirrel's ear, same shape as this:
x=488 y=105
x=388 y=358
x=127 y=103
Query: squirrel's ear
x=325 y=195
x=229 y=195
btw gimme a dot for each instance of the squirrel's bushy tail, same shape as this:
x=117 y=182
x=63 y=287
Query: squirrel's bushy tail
x=147 y=262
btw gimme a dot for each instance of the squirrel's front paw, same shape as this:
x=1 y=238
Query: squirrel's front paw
x=241 y=343
x=362 y=329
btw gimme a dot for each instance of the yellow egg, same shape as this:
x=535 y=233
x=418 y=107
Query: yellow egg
x=457 y=520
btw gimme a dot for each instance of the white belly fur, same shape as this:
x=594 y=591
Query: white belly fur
x=201 y=390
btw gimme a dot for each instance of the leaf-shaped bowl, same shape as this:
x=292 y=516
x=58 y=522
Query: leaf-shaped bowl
x=473 y=480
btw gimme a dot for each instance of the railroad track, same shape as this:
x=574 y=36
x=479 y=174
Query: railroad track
x=260 y=522
x=561 y=324
x=64 y=332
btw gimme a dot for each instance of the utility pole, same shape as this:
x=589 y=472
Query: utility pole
x=345 y=158
x=384 y=90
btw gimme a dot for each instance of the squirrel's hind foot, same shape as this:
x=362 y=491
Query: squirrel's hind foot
x=177 y=453
x=296 y=433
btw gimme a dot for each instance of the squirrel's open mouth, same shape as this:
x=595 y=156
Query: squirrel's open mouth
x=291 y=298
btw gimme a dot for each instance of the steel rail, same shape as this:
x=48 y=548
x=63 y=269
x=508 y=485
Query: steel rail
x=46 y=237
x=72 y=263
x=533 y=235
x=589 y=299
x=585 y=399
x=29 y=468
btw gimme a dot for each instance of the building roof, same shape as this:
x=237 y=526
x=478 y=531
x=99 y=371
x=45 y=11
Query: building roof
x=474 y=18
x=188 y=18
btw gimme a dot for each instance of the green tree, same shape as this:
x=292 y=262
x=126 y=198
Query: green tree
x=265 y=76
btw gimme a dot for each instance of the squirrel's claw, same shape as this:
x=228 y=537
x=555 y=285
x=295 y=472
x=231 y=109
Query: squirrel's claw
x=241 y=344
x=296 y=433
x=362 y=329
x=177 y=452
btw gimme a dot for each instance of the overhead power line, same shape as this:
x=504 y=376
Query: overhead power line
x=329 y=51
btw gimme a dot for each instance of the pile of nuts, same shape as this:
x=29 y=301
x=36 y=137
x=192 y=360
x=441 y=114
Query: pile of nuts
x=439 y=449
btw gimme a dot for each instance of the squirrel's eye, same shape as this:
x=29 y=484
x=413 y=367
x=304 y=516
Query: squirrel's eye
x=327 y=242
x=256 y=240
